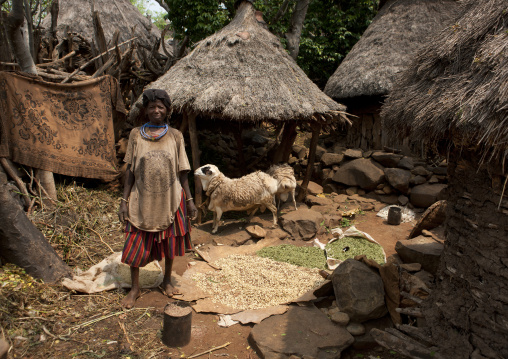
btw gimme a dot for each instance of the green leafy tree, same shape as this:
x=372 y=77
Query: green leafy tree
x=330 y=29
x=158 y=17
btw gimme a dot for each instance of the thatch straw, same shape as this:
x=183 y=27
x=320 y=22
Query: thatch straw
x=388 y=45
x=243 y=73
x=457 y=87
x=76 y=15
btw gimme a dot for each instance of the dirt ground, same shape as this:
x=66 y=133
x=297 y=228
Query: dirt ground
x=50 y=322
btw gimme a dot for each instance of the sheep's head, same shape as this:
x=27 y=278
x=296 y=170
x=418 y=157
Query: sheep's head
x=206 y=173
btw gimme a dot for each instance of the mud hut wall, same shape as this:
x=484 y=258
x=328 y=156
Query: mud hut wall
x=470 y=302
x=367 y=130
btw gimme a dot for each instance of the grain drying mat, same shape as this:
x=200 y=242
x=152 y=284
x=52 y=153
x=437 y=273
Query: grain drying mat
x=246 y=282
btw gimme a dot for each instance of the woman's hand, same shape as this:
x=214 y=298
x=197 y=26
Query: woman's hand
x=123 y=212
x=192 y=211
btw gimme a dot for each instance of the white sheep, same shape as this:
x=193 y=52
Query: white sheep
x=238 y=194
x=286 y=182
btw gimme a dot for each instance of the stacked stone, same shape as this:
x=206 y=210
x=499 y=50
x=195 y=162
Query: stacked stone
x=388 y=177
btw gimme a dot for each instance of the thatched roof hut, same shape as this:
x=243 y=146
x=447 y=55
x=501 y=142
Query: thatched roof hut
x=386 y=48
x=243 y=73
x=457 y=88
x=454 y=98
x=114 y=14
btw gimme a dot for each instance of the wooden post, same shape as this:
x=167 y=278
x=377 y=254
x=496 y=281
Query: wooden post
x=288 y=138
x=316 y=129
x=239 y=147
x=191 y=118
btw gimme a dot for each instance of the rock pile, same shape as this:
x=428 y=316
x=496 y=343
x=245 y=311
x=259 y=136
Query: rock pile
x=388 y=177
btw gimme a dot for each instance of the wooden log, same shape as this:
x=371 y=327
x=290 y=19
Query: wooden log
x=411 y=350
x=100 y=39
x=177 y=325
x=92 y=60
x=193 y=134
x=23 y=244
x=415 y=332
x=316 y=129
x=413 y=312
x=411 y=297
x=6 y=164
x=57 y=62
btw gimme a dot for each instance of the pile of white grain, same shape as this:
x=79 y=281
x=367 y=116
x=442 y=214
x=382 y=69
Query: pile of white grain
x=251 y=282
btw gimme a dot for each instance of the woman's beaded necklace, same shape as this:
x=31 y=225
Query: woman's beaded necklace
x=153 y=137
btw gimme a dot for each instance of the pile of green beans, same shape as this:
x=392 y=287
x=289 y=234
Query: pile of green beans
x=309 y=257
x=350 y=247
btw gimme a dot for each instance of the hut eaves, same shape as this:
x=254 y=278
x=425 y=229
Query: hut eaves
x=243 y=73
x=387 y=46
x=457 y=87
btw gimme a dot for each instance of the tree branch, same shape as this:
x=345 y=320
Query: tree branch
x=280 y=13
x=163 y=5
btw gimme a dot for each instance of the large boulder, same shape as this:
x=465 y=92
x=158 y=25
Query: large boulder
x=305 y=332
x=329 y=159
x=353 y=153
x=387 y=159
x=302 y=224
x=407 y=163
x=398 y=179
x=359 y=291
x=363 y=172
x=423 y=250
x=426 y=194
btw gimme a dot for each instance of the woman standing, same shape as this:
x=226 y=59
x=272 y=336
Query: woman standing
x=157 y=202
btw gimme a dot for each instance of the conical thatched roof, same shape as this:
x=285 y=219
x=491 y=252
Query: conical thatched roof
x=386 y=48
x=114 y=14
x=457 y=88
x=243 y=73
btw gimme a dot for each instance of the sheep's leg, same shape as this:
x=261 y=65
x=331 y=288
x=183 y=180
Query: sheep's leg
x=294 y=198
x=214 y=219
x=272 y=208
x=251 y=215
x=218 y=212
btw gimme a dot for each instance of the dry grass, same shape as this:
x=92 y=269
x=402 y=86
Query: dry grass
x=47 y=321
x=82 y=216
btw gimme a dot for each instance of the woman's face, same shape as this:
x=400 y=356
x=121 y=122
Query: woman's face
x=156 y=112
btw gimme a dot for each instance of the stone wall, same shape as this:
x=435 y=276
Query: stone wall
x=468 y=311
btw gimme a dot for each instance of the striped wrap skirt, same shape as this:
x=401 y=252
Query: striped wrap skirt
x=143 y=247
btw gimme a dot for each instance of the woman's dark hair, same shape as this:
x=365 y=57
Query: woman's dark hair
x=152 y=95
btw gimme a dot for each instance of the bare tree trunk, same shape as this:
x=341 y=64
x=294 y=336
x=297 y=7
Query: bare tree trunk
x=18 y=41
x=295 y=30
x=21 y=242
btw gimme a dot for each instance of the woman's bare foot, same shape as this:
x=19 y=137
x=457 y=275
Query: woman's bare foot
x=130 y=298
x=169 y=289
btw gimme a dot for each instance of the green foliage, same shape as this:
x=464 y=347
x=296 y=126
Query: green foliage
x=158 y=18
x=37 y=13
x=331 y=27
x=198 y=18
